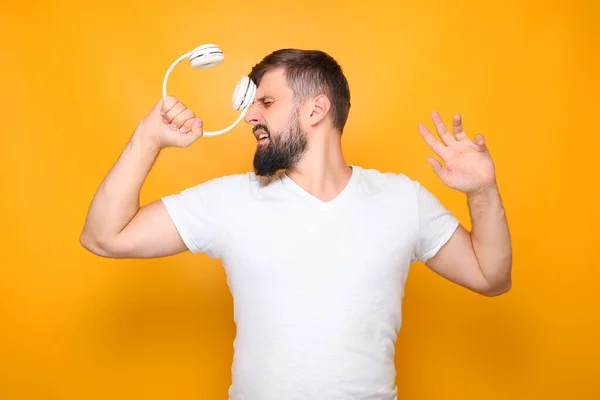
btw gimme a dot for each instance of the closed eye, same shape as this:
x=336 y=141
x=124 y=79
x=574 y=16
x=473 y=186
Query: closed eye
x=265 y=101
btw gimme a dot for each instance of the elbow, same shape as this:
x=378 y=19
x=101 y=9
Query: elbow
x=86 y=241
x=497 y=289
x=501 y=283
x=94 y=245
x=90 y=243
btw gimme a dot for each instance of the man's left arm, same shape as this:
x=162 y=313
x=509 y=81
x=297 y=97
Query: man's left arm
x=480 y=260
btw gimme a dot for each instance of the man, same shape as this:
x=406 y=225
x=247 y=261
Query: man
x=316 y=251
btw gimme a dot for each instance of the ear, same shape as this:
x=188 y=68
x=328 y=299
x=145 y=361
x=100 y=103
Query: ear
x=319 y=108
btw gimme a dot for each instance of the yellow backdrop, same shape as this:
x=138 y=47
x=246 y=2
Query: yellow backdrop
x=76 y=79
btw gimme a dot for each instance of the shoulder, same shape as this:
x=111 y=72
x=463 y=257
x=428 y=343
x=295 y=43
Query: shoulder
x=375 y=181
x=229 y=182
x=400 y=186
x=213 y=189
x=233 y=190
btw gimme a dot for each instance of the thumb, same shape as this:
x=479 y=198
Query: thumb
x=193 y=134
x=197 y=129
x=437 y=168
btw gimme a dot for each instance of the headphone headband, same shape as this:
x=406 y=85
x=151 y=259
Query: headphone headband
x=208 y=56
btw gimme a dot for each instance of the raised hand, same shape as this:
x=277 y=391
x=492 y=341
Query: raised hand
x=171 y=124
x=468 y=166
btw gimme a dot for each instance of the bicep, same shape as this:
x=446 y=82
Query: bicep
x=456 y=261
x=151 y=233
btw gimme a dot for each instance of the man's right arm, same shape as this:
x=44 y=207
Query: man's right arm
x=116 y=226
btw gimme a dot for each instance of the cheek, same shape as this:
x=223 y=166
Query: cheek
x=280 y=119
x=275 y=123
x=278 y=116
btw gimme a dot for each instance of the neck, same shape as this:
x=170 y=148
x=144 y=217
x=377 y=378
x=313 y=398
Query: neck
x=322 y=172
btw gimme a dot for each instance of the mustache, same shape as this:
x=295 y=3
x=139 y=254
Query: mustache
x=262 y=128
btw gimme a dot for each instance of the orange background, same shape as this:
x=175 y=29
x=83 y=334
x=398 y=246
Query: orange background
x=76 y=79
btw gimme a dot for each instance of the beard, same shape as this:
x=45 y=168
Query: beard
x=282 y=151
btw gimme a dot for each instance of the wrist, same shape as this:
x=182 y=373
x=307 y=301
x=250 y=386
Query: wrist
x=486 y=205
x=485 y=192
x=144 y=142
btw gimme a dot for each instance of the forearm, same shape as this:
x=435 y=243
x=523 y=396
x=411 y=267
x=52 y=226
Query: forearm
x=116 y=201
x=490 y=236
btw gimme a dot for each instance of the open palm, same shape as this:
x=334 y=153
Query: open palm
x=468 y=166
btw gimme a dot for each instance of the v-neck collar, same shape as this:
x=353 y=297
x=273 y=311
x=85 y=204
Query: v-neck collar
x=293 y=186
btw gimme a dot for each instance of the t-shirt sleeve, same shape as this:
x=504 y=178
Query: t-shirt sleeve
x=196 y=216
x=436 y=224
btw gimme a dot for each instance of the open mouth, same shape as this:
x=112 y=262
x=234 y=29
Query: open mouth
x=262 y=136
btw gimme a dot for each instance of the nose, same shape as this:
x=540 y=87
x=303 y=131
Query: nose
x=252 y=115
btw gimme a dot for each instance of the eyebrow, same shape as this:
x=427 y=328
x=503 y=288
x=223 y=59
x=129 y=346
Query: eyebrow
x=264 y=98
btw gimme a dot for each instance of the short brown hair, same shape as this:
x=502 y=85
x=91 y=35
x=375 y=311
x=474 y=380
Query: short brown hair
x=310 y=73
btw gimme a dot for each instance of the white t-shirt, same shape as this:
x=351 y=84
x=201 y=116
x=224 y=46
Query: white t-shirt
x=317 y=286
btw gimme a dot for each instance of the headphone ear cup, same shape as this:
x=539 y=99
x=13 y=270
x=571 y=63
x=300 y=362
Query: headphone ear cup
x=206 y=56
x=204 y=61
x=243 y=93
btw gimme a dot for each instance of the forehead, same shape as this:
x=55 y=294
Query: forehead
x=273 y=83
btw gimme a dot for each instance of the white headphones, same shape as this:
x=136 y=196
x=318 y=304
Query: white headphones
x=207 y=56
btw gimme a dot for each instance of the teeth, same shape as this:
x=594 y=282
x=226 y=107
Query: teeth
x=263 y=136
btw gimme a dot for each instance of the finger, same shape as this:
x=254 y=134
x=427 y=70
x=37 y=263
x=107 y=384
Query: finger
x=195 y=133
x=183 y=116
x=437 y=168
x=479 y=141
x=173 y=112
x=442 y=131
x=432 y=142
x=457 y=128
x=187 y=126
x=168 y=104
